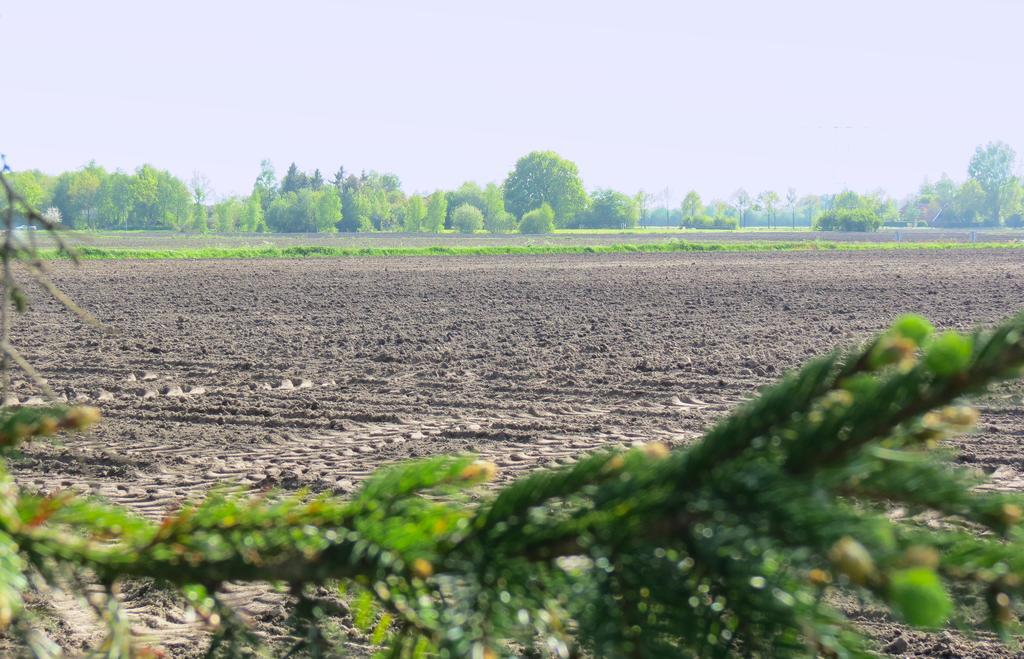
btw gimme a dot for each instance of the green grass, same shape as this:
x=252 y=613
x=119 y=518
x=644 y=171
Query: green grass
x=326 y=251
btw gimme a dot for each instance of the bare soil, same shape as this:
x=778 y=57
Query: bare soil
x=314 y=373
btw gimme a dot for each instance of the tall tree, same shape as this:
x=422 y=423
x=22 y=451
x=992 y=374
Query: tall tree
x=691 y=206
x=437 y=208
x=767 y=200
x=294 y=180
x=339 y=178
x=415 y=211
x=316 y=181
x=741 y=202
x=791 y=204
x=609 y=210
x=545 y=177
x=200 y=187
x=992 y=167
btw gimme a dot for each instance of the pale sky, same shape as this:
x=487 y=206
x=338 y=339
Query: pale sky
x=815 y=94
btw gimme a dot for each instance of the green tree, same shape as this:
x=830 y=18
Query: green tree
x=415 y=212
x=294 y=180
x=76 y=196
x=970 y=204
x=326 y=210
x=539 y=220
x=992 y=167
x=227 y=215
x=199 y=219
x=545 y=177
x=467 y=218
x=27 y=185
x=741 y=202
x=767 y=201
x=281 y=216
x=692 y=206
x=467 y=193
x=791 y=200
x=253 y=219
x=609 y=210
x=437 y=208
x=496 y=218
x=266 y=184
x=115 y=200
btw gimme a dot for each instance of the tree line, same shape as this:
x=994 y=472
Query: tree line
x=543 y=192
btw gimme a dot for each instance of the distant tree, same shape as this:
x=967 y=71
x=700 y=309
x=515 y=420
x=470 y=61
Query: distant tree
x=609 y=210
x=115 y=203
x=77 y=195
x=467 y=218
x=253 y=220
x=467 y=193
x=339 y=179
x=199 y=220
x=791 y=199
x=316 y=181
x=692 y=206
x=27 y=184
x=848 y=219
x=741 y=202
x=294 y=180
x=415 y=211
x=970 y=204
x=387 y=181
x=325 y=209
x=200 y=187
x=768 y=200
x=227 y=215
x=173 y=201
x=809 y=206
x=266 y=184
x=644 y=201
x=437 y=208
x=545 y=177
x=496 y=218
x=992 y=167
x=539 y=220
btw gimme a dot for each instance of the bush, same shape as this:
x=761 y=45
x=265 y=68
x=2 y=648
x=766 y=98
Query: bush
x=467 y=219
x=539 y=220
x=709 y=222
x=848 y=219
x=609 y=210
x=500 y=222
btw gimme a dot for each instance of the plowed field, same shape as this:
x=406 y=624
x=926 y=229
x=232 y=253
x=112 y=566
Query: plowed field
x=313 y=373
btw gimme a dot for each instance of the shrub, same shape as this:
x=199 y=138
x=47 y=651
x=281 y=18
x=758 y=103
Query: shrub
x=500 y=222
x=539 y=220
x=609 y=210
x=848 y=219
x=467 y=219
x=709 y=222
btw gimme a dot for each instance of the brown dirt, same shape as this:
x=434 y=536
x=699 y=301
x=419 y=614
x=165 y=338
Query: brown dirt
x=313 y=373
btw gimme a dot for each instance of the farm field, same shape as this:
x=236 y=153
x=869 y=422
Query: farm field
x=291 y=374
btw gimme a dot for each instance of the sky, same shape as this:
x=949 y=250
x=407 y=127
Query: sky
x=818 y=95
